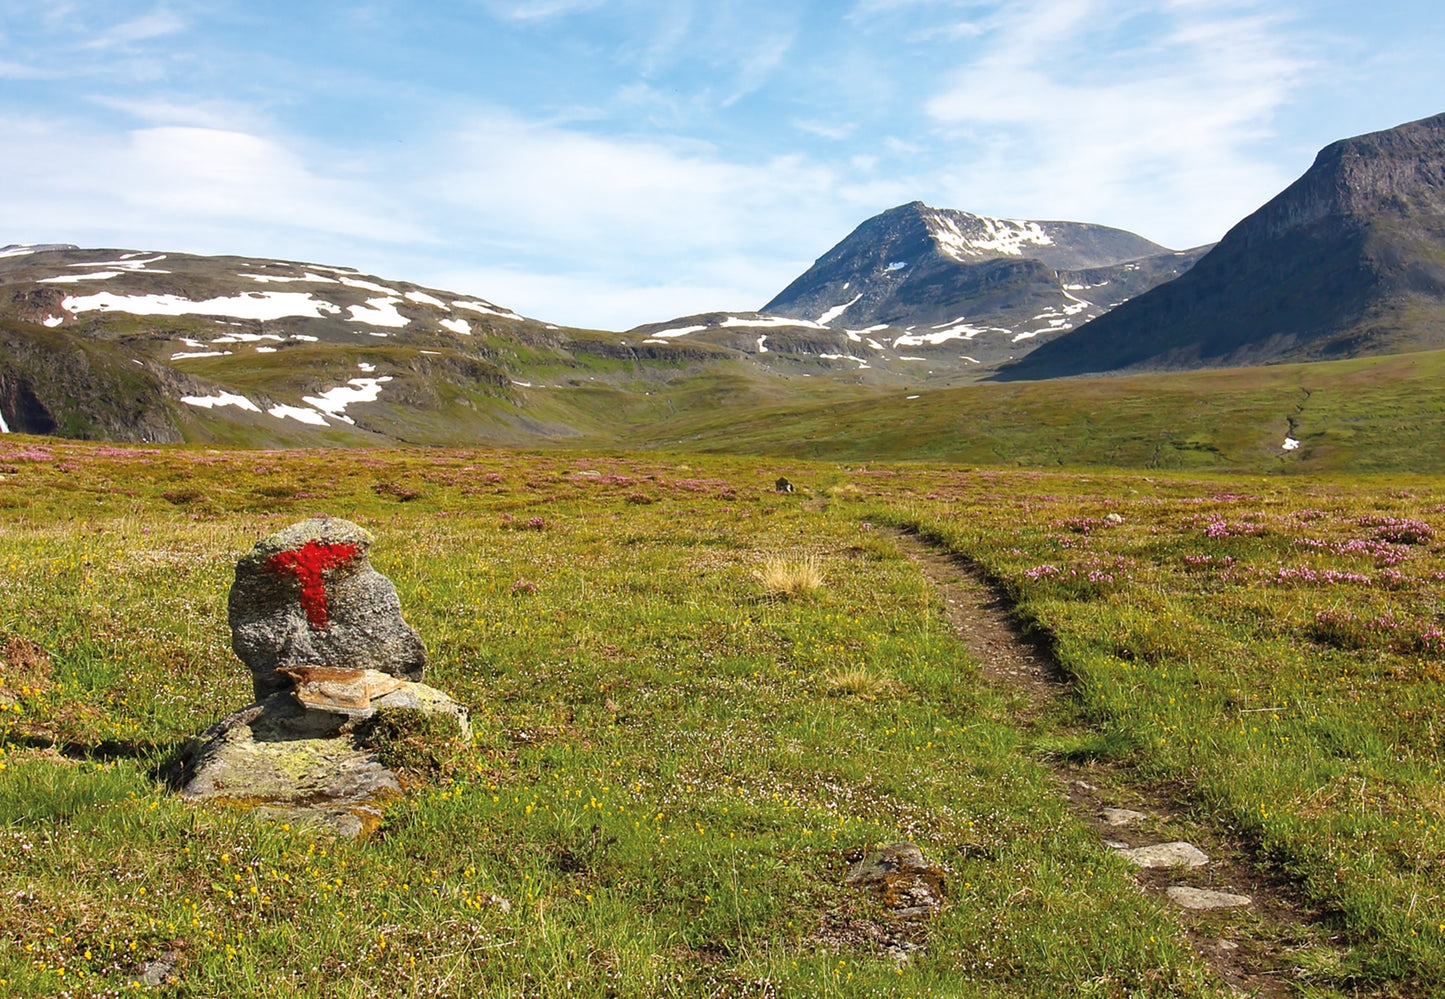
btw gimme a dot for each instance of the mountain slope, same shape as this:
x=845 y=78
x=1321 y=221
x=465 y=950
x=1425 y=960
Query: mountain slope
x=1349 y=260
x=926 y=277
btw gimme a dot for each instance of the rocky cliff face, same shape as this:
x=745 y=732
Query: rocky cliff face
x=1348 y=260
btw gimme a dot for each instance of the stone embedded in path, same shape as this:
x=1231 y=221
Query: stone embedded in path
x=1178 y=854
x=1202 y=898
x=906 y=882
x=1122 y=816
x=307 y=597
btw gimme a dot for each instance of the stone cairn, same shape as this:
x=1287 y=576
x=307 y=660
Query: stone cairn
x=328 y=649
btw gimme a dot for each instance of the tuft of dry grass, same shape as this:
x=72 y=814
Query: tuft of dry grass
x=789 y=578
x=857 y=682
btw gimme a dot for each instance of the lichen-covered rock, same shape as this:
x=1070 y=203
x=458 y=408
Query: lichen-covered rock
x=307 y=597
x=902 y=879
x=293 y=762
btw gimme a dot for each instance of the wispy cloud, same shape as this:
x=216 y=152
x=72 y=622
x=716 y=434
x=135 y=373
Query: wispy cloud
x=188 y=187
x=826 y=130
x=1079 y=109
x=538 y=10
x=156 y=24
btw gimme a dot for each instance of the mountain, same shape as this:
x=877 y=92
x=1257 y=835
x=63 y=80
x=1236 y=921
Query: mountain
x=934 y=282
x=121 y=344
x=170 y=347
x=1349 y=260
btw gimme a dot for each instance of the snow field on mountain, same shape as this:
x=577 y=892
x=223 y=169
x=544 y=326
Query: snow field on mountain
x=263 y=305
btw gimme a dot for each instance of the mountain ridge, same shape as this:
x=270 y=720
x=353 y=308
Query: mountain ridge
x=1349 y=259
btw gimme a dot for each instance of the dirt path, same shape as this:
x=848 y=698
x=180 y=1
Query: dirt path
x=1256 y=949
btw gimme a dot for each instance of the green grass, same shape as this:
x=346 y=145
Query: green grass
x=668 y=773
x=1368 y=415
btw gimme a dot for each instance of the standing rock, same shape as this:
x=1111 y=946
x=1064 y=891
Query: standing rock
x=782 y=486
x=337 y=678
x=307 y=597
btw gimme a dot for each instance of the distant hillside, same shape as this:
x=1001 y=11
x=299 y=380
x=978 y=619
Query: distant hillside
x=1349 y=260
x=950 y=286
x=167 y=347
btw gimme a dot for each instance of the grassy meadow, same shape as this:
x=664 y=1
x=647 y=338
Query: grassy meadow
x=678 y=754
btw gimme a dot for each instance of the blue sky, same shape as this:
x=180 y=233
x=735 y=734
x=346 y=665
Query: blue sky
x=610 y=162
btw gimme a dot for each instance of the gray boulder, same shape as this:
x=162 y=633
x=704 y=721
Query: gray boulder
x=307 y=597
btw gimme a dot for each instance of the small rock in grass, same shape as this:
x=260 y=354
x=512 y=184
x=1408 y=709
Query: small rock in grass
x=1177 y=854
x=154 y=974
x=1122 y=816
x=1113 y=518
x=306 y=597
x=906 y=882
x=1116 y=844
x=1202 y=898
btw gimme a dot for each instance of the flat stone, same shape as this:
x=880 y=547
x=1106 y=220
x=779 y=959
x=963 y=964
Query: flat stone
x=1177 y=854
x=307 y=597
x=303 y=765
x=1122 y=816
x=343 y=691
x=1202 y=898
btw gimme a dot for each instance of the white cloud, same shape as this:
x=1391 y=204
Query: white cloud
x=1073 y=117
x=825 y=129
x=182 y=187
x=538 y=10
x=156 y=24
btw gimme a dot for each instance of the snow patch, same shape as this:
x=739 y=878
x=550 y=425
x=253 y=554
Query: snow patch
x=298 y=413
x=911 y=397
x=77 y=278
x=838 y=310
x=4 y=427
x=422 y=298
x=220 y=399
x=1006 y=236
x=200 y=353
x=486 y=309
x=765 y=322
x=333 y=401
x=378 y=312
x=260 y=305
x=53 y=321
x=762 y=344
x=365 y=367
x=903 y=357
x=265 y=350
x=247 y=338
x=1290 y=444
x=675 y=331
x=352 y=282
x=278 y=279
x=965 y=357
x=896 y=265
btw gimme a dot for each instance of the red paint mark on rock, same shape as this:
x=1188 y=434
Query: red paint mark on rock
x=307 y=564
